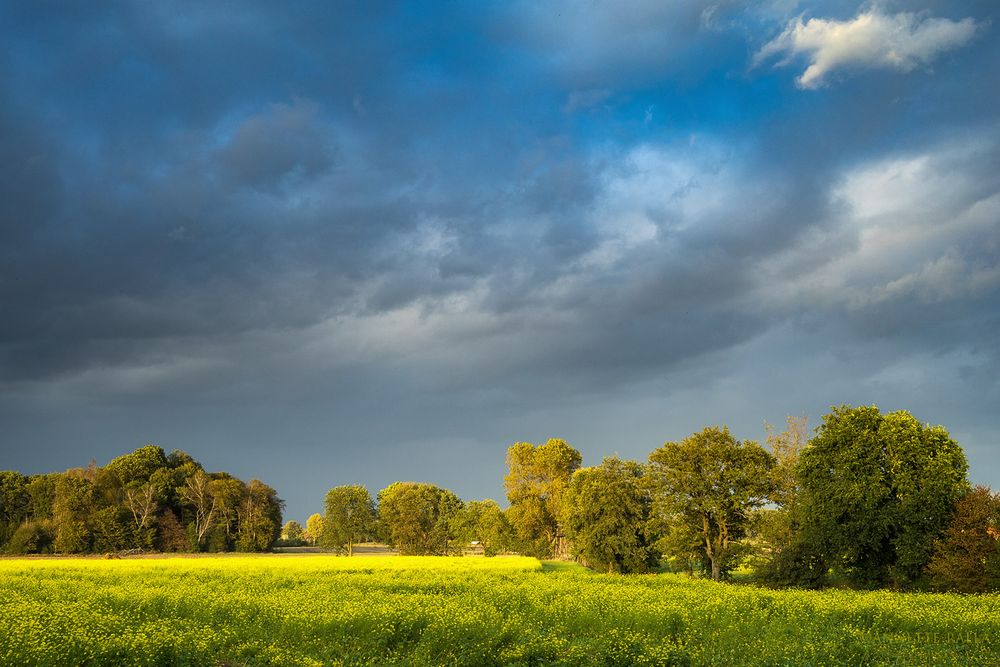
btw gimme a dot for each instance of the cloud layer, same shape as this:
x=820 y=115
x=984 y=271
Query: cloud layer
x=340 y=245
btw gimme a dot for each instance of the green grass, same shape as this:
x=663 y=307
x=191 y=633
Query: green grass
x=320 y=610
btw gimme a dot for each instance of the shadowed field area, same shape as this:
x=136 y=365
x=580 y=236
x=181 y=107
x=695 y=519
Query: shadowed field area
x=321 y=610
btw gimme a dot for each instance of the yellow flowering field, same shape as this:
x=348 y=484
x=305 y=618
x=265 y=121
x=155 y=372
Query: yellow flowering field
x=329 y=610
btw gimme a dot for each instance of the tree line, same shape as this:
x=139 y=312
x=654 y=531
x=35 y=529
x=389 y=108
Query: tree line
x=146 y=500
x=870 y=500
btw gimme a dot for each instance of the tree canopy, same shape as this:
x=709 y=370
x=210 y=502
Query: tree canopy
x=708 y=484
x=417 y=518
x=536 y=479
x=145 y=499
x=350 y=518
x=876 y=491
x=606 y=512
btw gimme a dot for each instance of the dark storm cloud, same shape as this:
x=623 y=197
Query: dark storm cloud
x=370 y=227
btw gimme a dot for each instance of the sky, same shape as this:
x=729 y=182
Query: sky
x=334 y=243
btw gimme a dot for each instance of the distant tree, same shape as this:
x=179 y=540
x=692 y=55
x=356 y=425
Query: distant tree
x=111 y=529
x=417 y=517
x=42 y=495
x=314 y=528
x=71 y=510
x=876 y=491
x=32 y=537
x=784 y=559
x=785 y=449
x=350 y=518
x=606 y=512
x=170 y=534
x=712 y=482
x=536 y=479
x=229 y=494
x=137 y=466
x=15 y=503
x=966 y=557
x=141 y=500
x=484 y=522
x=260 y=517
x=197 y=493
x=292 y=531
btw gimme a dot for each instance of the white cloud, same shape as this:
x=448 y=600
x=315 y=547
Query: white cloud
x=917 y=228
x=900 y=41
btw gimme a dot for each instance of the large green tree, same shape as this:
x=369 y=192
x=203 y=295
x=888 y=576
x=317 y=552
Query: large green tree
x=535 y=482
x=708 y=484
x=606 y=512
x=350 y=518
x=875 y=492
x=417 y=518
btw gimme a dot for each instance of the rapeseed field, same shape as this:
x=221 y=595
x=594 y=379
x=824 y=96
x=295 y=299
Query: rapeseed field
x=328 y=610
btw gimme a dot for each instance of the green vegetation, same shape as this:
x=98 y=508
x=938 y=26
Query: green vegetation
x=871 y=501
x=350 y=518
x=313 y=610
x=144 y=500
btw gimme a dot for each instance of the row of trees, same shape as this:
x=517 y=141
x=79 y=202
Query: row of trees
x=870 y=500
x=143 y=500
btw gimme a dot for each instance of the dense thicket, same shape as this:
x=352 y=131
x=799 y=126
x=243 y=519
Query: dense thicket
x=143 y=500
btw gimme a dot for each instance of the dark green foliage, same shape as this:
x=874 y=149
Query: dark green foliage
x=32 y=537
x=416 y=518
x=112 y=529
x=797 y=565
x=606 y=512
x=876 y=490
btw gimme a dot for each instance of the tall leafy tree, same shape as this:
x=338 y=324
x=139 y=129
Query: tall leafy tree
x=876 y=490
x=260 y=517
x=350 y=518
x=417 y=518
x=72 y=512
x=536 y=480
x=710 y=482
x=606 y=512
